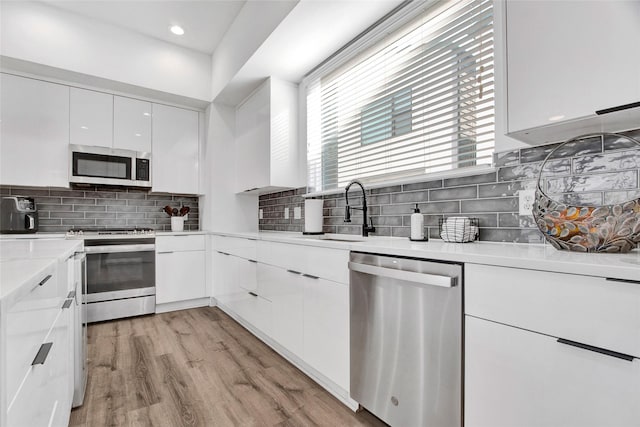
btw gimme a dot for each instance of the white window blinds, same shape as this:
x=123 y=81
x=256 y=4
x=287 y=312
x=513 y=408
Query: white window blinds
x=419 y=101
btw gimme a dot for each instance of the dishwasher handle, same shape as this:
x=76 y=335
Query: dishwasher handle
x=409 y=276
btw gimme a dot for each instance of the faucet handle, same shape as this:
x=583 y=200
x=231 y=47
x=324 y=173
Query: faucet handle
x=347 y=214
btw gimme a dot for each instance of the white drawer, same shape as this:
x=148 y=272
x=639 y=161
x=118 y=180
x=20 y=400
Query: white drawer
x=45 y=394
x=586 y=309
x=242 y=247
x=28 y=323
x=330 y=264
x=177 y=243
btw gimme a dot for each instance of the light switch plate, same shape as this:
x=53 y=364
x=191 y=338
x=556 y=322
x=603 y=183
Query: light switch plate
x=526 y=198
x=286 y=213
x=297 y=212
x=260 y=214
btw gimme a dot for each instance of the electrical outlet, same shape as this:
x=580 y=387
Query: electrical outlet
x=526 y=201
x=286 y=213
x=297 y=212
x=260 y=214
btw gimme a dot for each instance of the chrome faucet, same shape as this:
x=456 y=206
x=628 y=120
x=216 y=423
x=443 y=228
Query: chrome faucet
x=366 y=229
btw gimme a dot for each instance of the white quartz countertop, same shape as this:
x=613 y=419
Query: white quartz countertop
x=179 y=233
x=519 y=255
x=24 y=260
x=24 y=249
x=15 y=274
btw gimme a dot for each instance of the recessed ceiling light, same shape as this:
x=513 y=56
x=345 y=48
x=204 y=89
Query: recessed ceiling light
x=177 y=30
x=556 y=118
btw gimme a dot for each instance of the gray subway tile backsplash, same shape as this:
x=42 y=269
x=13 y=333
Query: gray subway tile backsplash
x=605 y=171
x=61 y=209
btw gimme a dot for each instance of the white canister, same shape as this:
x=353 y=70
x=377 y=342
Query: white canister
x=313 y=215
x=177 y=223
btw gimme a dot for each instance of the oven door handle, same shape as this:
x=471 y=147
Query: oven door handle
x=110 y=249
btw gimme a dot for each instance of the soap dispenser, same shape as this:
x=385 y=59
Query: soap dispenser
x=417 y=225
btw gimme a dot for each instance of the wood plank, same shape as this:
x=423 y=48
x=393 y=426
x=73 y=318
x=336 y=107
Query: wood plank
x=198 y=367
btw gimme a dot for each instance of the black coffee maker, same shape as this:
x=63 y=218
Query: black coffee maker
x=18 y=215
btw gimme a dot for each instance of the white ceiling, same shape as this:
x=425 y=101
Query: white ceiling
x=204 y=21
x=312 y=32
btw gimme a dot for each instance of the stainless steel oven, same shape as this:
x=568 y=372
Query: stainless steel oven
x=121 y=278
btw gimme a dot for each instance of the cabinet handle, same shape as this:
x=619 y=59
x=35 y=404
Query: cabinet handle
x=611 y=279
x=294 y=272
x=252 y=260
x=41 y=357
x=251 y=238
x=42 y=282
x=597 y=349
x=253 y=294
x=166 y=252
x=618 y=108
x=310 y=276
x=223 y=253
x=67 y=303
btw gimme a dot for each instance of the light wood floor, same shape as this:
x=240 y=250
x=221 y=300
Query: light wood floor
x=198 y=368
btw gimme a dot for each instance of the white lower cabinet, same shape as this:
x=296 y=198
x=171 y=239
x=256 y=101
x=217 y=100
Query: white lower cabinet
x=44 y=399
x=545 y=349
x=180 y=268
x=326 y=329
x=282 y=297
x=515 y=377
x=35 y=388
x=285 y=291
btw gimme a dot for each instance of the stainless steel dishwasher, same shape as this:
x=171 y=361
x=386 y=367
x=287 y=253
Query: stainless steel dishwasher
x=406 y=339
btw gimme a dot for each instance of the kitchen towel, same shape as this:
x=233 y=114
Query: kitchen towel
x=313 y=215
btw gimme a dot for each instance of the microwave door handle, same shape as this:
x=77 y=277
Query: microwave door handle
x=110 y=249
x=29 y=222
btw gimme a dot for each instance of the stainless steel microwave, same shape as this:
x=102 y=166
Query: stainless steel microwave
x=109 y=166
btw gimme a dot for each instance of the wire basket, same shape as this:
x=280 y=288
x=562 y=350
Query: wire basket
x=459 y=229
x=587 y=228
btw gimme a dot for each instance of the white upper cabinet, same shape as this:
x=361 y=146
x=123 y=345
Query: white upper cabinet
x=131 y=124
x=568 y=60
x=34 y=132
x=105 y=120
x=267 y=155
x=174 y=165
x=91 y=118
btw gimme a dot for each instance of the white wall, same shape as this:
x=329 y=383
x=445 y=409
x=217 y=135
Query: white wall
x=255 y=22
x=221 y=209
x=45 y=35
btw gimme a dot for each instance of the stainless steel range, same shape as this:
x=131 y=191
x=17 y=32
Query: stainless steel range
x=121 y=278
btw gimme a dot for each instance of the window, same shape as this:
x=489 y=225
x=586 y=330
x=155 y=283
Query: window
x=420 y=100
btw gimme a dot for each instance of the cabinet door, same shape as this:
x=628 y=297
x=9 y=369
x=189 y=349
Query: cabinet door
x=326 y=329
x=44 y=397
x=34 y=130
x=131 y=124
x=285 y=290
x=567 y=59
x=180 y=276
x=175 y=150
x=520 y=378
x=91 y=118
x=253 y=152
